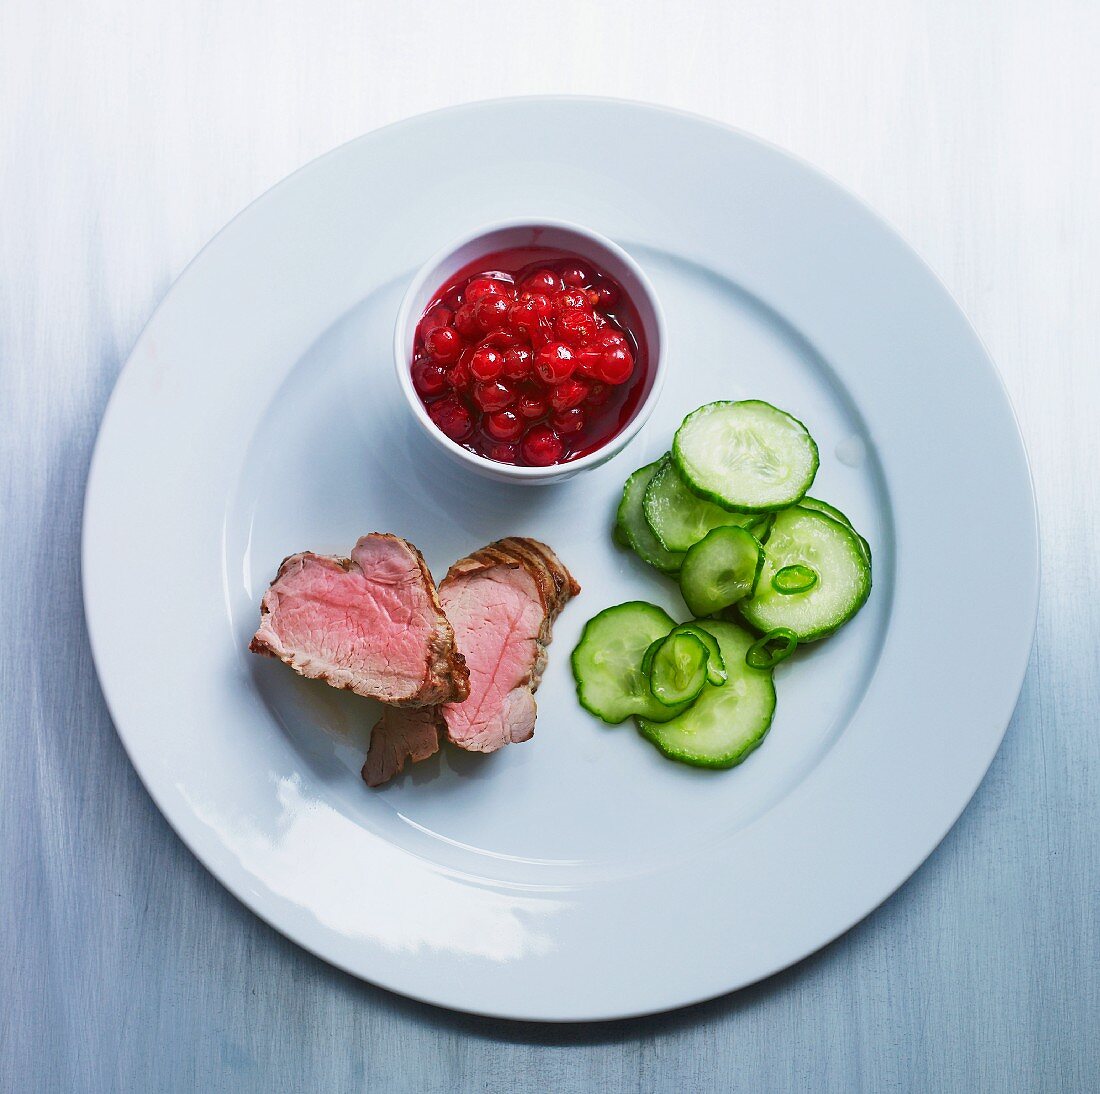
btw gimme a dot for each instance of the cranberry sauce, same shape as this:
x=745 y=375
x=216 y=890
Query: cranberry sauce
x=532 y=357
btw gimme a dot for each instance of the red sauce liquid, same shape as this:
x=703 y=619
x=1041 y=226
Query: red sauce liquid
x=532 y=356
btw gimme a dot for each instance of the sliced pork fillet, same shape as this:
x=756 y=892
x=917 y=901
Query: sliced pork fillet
x=371 y=624
x=497 y=607
x=502 y=602
x=402 y=733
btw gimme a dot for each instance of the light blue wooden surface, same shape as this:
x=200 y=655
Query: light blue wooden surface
x=129 y=133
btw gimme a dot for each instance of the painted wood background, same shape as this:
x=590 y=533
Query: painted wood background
x=130 y=132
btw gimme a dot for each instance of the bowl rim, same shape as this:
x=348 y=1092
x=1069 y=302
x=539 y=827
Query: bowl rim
x=483 y=464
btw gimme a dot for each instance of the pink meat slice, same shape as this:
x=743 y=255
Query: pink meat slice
x=498 y=612
x=502 y=602
x=371 y=624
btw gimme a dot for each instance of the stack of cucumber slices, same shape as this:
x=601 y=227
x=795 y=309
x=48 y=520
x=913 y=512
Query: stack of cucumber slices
x=726 y=513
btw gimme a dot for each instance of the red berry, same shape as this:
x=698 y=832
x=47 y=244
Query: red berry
x=443 y=344
x=524 y=314
x=612 y=339
x=541 y=281
x=458 y=376
x=568 y=393
x=598 y=394
x=541 y=334
x=491 y=311
x=505 y=425
x=570 y=420
x=576 y=327
x=532 y=406
x=541 y=302
x=502 y=339
x=589 y=361
x=570 y=300
x=429 y=379
x=466 y=322
x=437 y=317
x=554 y=362
x=477 y=288
x=576 y=276
x=452 y=418
x=486 y=363
x=502 y=453
x=542 y=446
x=493 y=395
x=617 y=366
x=518 y=362
x=603 y=295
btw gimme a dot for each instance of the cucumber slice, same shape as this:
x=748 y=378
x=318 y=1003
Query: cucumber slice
x=762 y=528
x=747 y=456
x=724 y=724
x=720 y=569
x=680 y=518
x=631 y=526
x=678 y=668
x=716 y=664
x=836 y=514
x=807 y=537
x=607 y=663
x=824 y=507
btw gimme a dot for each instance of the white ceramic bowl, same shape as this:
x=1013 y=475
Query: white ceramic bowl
x=504 y=235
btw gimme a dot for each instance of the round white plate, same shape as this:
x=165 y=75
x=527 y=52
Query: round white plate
x=580 y=875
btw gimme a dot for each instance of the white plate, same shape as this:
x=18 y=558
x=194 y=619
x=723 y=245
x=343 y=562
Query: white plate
x=579 y=875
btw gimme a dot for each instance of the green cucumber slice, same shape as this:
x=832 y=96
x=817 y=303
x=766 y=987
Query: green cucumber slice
x=631 y=526
x=724 y=724
x=607 y=663
x=824 y=507
x=716 y=664
x=807 y=537
x=748 y=456
x=720 y=569
x=762 y=528
x=678 y=668
x=836 y=514
x=680 y=518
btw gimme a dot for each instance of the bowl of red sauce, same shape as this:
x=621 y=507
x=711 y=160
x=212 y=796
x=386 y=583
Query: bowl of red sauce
x=531 y=350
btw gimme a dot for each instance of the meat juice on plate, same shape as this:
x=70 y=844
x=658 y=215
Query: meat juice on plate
x=531 y=357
